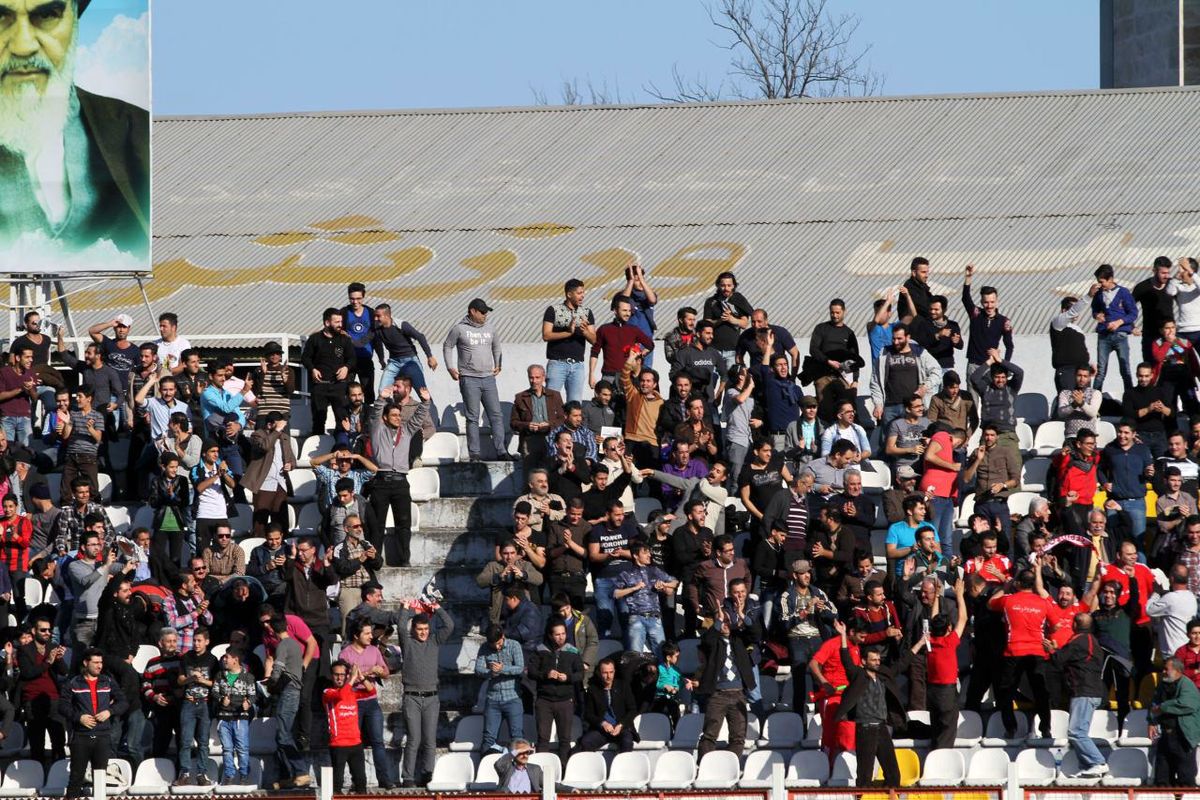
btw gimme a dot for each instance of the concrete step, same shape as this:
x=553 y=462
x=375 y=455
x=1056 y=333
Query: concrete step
x=466 y=513
x=480 y=478
x=453 y=547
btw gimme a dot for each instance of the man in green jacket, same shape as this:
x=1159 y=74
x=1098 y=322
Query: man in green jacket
x=1175 y=727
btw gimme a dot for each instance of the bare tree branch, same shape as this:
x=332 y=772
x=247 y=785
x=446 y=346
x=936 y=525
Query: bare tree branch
x=685 y=90
x=571 y=94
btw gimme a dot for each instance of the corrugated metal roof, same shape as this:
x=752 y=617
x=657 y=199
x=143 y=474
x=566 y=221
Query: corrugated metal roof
x=805 y=199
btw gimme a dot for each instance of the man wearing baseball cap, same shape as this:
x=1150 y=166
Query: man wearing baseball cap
x=119 y=353
x=473 y=358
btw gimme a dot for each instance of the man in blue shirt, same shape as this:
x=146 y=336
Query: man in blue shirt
x=1125 y=466
x=639 y=586
x=902 y=535
x=1115 y=311
x=501 y=663
x=781 y=395
x=358 y=323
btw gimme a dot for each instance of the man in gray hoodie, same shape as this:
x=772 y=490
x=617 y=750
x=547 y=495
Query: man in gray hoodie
x=472 y=355
x=87 y=580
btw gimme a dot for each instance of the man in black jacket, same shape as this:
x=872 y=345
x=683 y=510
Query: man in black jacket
x=1082 y=661
x=872 y=702
x=329 y=357
x=558 y=670
x=726 y=676
x=89 y=703
x=608 y=711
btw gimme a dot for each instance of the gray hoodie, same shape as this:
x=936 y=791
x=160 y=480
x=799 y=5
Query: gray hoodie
x=87 y=582
x=477 y=348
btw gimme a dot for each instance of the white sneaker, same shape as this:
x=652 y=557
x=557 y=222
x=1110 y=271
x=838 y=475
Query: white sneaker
x=1096 y=771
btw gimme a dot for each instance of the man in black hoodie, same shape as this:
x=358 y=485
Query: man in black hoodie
x=89 y=703
x=1082 y=660
x=558 y=670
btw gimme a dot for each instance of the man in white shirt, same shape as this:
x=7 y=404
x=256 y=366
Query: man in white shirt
x=170 y=345
x=1172 y=611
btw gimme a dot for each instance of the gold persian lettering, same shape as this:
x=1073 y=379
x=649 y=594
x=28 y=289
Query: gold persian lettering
x=489 y=267
x=611 y=263
x=698 y=269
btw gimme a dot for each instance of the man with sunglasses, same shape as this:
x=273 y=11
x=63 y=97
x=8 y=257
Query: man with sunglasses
x=224 y=558
x=41 y=664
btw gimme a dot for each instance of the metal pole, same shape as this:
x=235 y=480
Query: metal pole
x=778 y=792
x=66 y=309
x=146 y=300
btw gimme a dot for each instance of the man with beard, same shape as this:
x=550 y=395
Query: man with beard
x=329 y=357
x=75 y=166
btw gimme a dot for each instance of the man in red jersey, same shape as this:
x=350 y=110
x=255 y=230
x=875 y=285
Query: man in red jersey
x=1025 y=617
x=345 y=739
x=829 y=676
x=1060 y=628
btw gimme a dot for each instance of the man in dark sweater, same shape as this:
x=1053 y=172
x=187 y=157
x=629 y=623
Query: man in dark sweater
x=988 y=327
x=1081 y=659
x=915 y=302
x=1152 y=409
x=1156 y=296
x=420 y=646
x=558 y=670
x=329 y=357
x=306 y=579
x=831 y=343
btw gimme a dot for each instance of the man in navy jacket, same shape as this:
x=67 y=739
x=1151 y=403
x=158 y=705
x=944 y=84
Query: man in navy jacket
x=89 y=703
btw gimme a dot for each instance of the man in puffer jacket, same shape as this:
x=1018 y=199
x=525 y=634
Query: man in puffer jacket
x=88 y=704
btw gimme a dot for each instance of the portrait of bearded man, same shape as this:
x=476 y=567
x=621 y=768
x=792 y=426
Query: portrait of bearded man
x=74 y=166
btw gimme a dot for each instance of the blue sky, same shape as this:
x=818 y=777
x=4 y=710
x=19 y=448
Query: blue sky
x=234 y=56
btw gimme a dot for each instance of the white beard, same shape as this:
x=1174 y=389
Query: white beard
x=30 y=121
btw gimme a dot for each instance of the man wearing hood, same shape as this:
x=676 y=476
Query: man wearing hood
x=473 y=358
x=558 y=670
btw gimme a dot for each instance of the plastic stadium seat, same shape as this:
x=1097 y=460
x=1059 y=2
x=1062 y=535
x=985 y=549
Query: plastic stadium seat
x=143 y=517
x=23 y=778
x=1104 y=727
x=1035 y=767
x=970 y=729
x=759 y=768
x=689 y=656
x=1032 y=407
x=214 y=774
x=812 y=738
x=988 y=767
x=628 y=772
x=33 y=592
x=1136 y=732
x=56 y=780
x=262 y=736
x=642 y=506
x=145 y=652
x=551 y=767
x=877 y=480
x=587 y=771
x=845 y=770
x=608 y=647
x=249 y=543
x=14 y=741
x=315 y=445
x=1033 y=474
x=994 y=736
x=308 y=520
x=943 y=768
x=153 y=777
x=1105 y=433
x=654 y=730
x=1024 y=437
x=104 y=481
x=1059 y=722
x=218 y=651
x=253 y=781
x=1049 y=437
x=783 y=730
x=673 y=770
x=441 y=448
x=914 y=716
x=424 y=484
x=120 y=518
x=687 y=732
x=719 y=769
x=965 y=510
x=242 y=521
x=1018 y=502
x=486 y=778
x=54 y=483
x=304 y=485
x=1069 y=766
x=909 y=763
x=806 y=769
x=1127 y=766
x=452 y=772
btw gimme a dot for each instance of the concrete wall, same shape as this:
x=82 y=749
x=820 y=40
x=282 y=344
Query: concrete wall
x=1139 y=42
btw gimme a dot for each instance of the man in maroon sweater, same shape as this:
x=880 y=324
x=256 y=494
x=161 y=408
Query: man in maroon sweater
x=613 y=341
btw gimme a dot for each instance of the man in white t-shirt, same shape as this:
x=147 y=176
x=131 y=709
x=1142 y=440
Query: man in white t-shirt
x=171 y=345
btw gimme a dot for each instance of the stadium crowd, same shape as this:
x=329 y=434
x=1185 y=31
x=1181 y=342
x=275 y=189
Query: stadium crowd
x=770 y=483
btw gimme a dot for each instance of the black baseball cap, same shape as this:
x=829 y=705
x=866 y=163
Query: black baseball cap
x=478 y=304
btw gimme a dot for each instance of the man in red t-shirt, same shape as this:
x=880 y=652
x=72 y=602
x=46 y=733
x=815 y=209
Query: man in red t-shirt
x=345 y=740
x=1026 y=615
x=941 y=669
x=939 y=482
x=1061 y=628
x=829 y=676
x=993 y=567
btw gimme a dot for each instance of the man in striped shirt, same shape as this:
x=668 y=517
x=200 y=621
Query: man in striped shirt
x=161 y=692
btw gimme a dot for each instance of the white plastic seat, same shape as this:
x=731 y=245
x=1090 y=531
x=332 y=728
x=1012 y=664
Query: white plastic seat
x=943 y=768
x=304 y=485
x=486 y=778
x=424 y=484
x=1033 y=474
x=33 y=592
x=760 y=765
x=585 y=771
x=441 y=448
x=965 y=510
x=674 y=769
x=845 y=770
x=783 y=730
x=1104 y=727
x=1067 y=769
x=1127 y=766
x=642 y=506
x=1035 y=767
x=1018 y=502
x=970 y=729
x=687 y=732
x=1105 y=432
x=452 y=772
x=23 y=778
x=654 y=731
x=988 y=767
x=249 y=543
x=551 y=767
x=313 y=446
x=1136 y=732
x=994 y=736
x=1049 y=437
x=812 y=737
x=468 y=734
x=253 y=781
x=1059 y=722
x=153 y=777
x=117 y=515
x=213 y=771
x=719 y=769
x=914 y=716
x=56 y=779
x=628 y=772
x=806 y=769
x=142 y=657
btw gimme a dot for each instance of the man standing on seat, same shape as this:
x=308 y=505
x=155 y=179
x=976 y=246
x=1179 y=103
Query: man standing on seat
x=358 y=321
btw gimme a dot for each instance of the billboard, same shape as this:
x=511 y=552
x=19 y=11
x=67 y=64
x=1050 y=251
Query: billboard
x=74 y=136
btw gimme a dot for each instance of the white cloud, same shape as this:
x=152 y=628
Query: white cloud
x=35 y=252
x=117 y=64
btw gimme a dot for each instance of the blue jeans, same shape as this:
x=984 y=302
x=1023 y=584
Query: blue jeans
x=370 y=723
x=1080 y=723
x=1136 y=509
x=569 y=374
x=641 y=627
x=1106 y=345
x=235 y=741
x=476 y=391
x=193 y=729
x=410 y=366
x=289 y=758
x=18 y=429
x=942 y=517
x=493 y=711
x=606 y=605
x=891 y=411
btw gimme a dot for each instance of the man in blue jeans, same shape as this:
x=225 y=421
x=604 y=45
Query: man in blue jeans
x=18 y=391
x=473 y=358
x=501 y=663
x=608 y=551
x=1081 y=659
x=286 y=676
x=639 y=586
x=1127 y=465
x=1115 y=312
x=198 y=669
x=567 y=329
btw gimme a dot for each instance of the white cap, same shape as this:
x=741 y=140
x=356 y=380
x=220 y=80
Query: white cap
x=125 y=319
